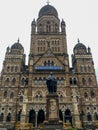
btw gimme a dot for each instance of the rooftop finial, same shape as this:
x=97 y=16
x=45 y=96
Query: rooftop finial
x=18 y=40
x=48 y=2
x=78 y=40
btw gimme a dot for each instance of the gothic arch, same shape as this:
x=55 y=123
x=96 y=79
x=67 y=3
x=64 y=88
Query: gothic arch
x=68 y=116
x=89 y=116
x=60 y=115
x=1 y=117
x=41 y=117
x=32 y=117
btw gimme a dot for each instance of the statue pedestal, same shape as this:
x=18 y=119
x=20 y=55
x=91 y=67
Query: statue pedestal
x=52 y=116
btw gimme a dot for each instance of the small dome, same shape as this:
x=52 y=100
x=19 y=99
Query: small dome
x=80 y=48
x=48 y=10
x=17 y=45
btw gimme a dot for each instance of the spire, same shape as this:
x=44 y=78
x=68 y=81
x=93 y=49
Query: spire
x=48 y=2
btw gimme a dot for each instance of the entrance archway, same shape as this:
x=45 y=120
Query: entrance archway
x=32 y=117
x=41 y=117
x=60 y=115
x=68 y=117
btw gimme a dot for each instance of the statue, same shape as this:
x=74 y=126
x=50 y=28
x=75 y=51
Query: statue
x=51 y=84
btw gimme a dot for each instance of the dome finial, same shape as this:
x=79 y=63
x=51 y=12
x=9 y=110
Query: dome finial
x=78 y=40
x=48 y=2
x=18 y=40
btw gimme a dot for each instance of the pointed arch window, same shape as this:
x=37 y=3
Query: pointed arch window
x=40 y=28
x=19 y=115
x=12 y=69
x=90 y=81
x=12 y=95
x=16 y=68
x=8 y=118
x=45 y=63
x=74 y=81
x=48 y=26
x=81 y=69
x=85 y=68
x=13 y=81
x=71 y=82
x=85 y=95
x=21 y=98
x=1 y=117
x=89 y=116
x=83 y=81
x=92 y=94
x=8 y=69
x=7 y=81
x=89 y=69
x=56 y=28
x=96 y=116
x=5 y=94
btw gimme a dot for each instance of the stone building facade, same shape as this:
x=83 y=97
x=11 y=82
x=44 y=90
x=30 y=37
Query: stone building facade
x=23 y=87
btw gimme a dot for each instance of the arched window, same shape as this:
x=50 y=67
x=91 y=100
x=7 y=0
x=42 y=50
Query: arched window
x=7 y=81
x=83 y=81
x=89 y=116
x=74 y=81
x=68 y=117
x=95 y=116
x=71 y=82
x=8 y=118
x=13 y=81
x=8 y=69
x=26 y=81
x=52 y=63
x=62 y=80
x=11 y=95
x=22 y=81
x=35 y=80
x=16 y=69
x=60 y=115
x=89 y=69
x=40 y=28
x=1 y=117
x=85 y=95
x=40 y=80
x=32 y=117
x=12 y=69
x=90 y=81
x=92 y=94
x=41 y=117
x=45 y=63
x=48 y=26
x=48 y=62
x=5 y=94
x=19 y=115
x=56 y=28
x=81 y=69
x=85 y=69
x=21 y=98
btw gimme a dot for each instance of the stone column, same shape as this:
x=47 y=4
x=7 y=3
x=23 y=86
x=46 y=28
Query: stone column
x=36 y=119
x=63 y=117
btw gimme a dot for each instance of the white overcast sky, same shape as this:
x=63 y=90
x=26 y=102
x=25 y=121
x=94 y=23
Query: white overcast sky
x=81 y=17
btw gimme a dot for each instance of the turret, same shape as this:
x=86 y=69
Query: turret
x=63 y=25
x=33 y=27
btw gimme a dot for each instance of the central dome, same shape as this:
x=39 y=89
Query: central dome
x=48 y=10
